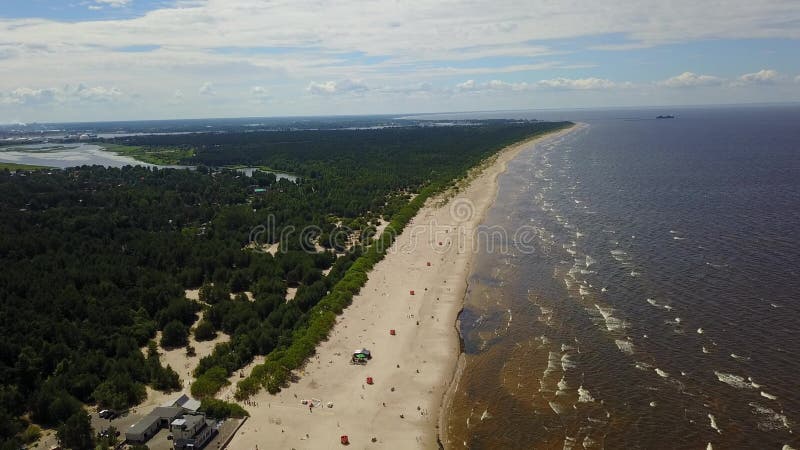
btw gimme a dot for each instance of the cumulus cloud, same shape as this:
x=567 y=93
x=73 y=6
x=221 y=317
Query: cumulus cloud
x=691 y=79
x=98 y=93
x=78 y=94
x=259 y=93
x=207 y=88
x=763 y=76
x=240 y=44
x=111 y=3
x=28 y=96
x=577 y=83
x=493 y=85
x=346 y=86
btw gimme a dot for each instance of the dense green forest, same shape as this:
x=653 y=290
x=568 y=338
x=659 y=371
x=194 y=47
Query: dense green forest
x=96 y=260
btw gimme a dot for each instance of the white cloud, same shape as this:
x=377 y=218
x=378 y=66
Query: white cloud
x=763 y=76
x=691 y=79
x=388 y=46
x=577 y=84
x=111 y=3
x=207 y=88
x=797 y=79
x=28 y=96
x=345 y=86
x=67 y=94
x=493 y=85
x=98 y=93
x=259 y=94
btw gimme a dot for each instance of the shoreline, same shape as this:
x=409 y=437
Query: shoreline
x=459 y=366
x=413 y=369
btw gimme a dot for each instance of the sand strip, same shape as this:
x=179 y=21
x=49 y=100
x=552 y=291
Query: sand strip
x=412 y=369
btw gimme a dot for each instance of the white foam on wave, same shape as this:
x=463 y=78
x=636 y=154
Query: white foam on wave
x=713 y=421
x=619 y=255
x=769 y=419
x=661 y=373
x=558 y=409
x=584 y=290
x=642 y=365
x=769 y=396
x=739 y=358
x=635 y=273
x=699 y=331
x=562 y=386
x=552 y=363
x=584 y=396
x=733 y=380
x=653 y=303
x=678 y=238
x=567 y=362
x=588 y=442
x=589 y=261
x=624 y=346
x=612 y=323
x=705 y=350
x=604 y=289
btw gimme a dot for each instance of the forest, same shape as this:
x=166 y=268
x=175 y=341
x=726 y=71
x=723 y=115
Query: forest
x=97 y=260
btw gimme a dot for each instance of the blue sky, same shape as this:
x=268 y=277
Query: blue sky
x=80 y=10
x=142 y=59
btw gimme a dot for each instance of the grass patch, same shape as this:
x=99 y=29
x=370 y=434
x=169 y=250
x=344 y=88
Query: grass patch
x=161 y=156
x=15 y=166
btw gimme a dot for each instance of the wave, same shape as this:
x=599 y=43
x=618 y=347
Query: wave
x=624 y=346
x=584 y=396
x=612 y=323
x=733 y=380
x=713 y=421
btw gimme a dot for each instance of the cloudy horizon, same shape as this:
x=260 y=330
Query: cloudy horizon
x=158 y=59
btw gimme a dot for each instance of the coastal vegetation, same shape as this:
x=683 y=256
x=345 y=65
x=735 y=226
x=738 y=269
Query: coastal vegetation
x=162 y=156
x=98 y=260
x=15 y=166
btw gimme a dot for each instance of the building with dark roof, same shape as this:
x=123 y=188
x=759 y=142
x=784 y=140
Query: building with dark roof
x=143 y=430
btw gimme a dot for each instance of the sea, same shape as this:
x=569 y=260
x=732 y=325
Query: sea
x=643 y=287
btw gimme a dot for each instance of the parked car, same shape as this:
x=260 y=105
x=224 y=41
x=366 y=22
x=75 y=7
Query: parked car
x=108 y=414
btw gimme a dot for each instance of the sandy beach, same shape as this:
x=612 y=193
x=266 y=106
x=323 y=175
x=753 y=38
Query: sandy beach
x=412 y=368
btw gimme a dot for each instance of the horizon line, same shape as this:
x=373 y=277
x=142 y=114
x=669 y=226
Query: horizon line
x=408 y=116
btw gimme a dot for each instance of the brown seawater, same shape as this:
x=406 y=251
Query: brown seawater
x=650 y=300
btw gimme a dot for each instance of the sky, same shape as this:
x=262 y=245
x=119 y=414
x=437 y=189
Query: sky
x=89 y=60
